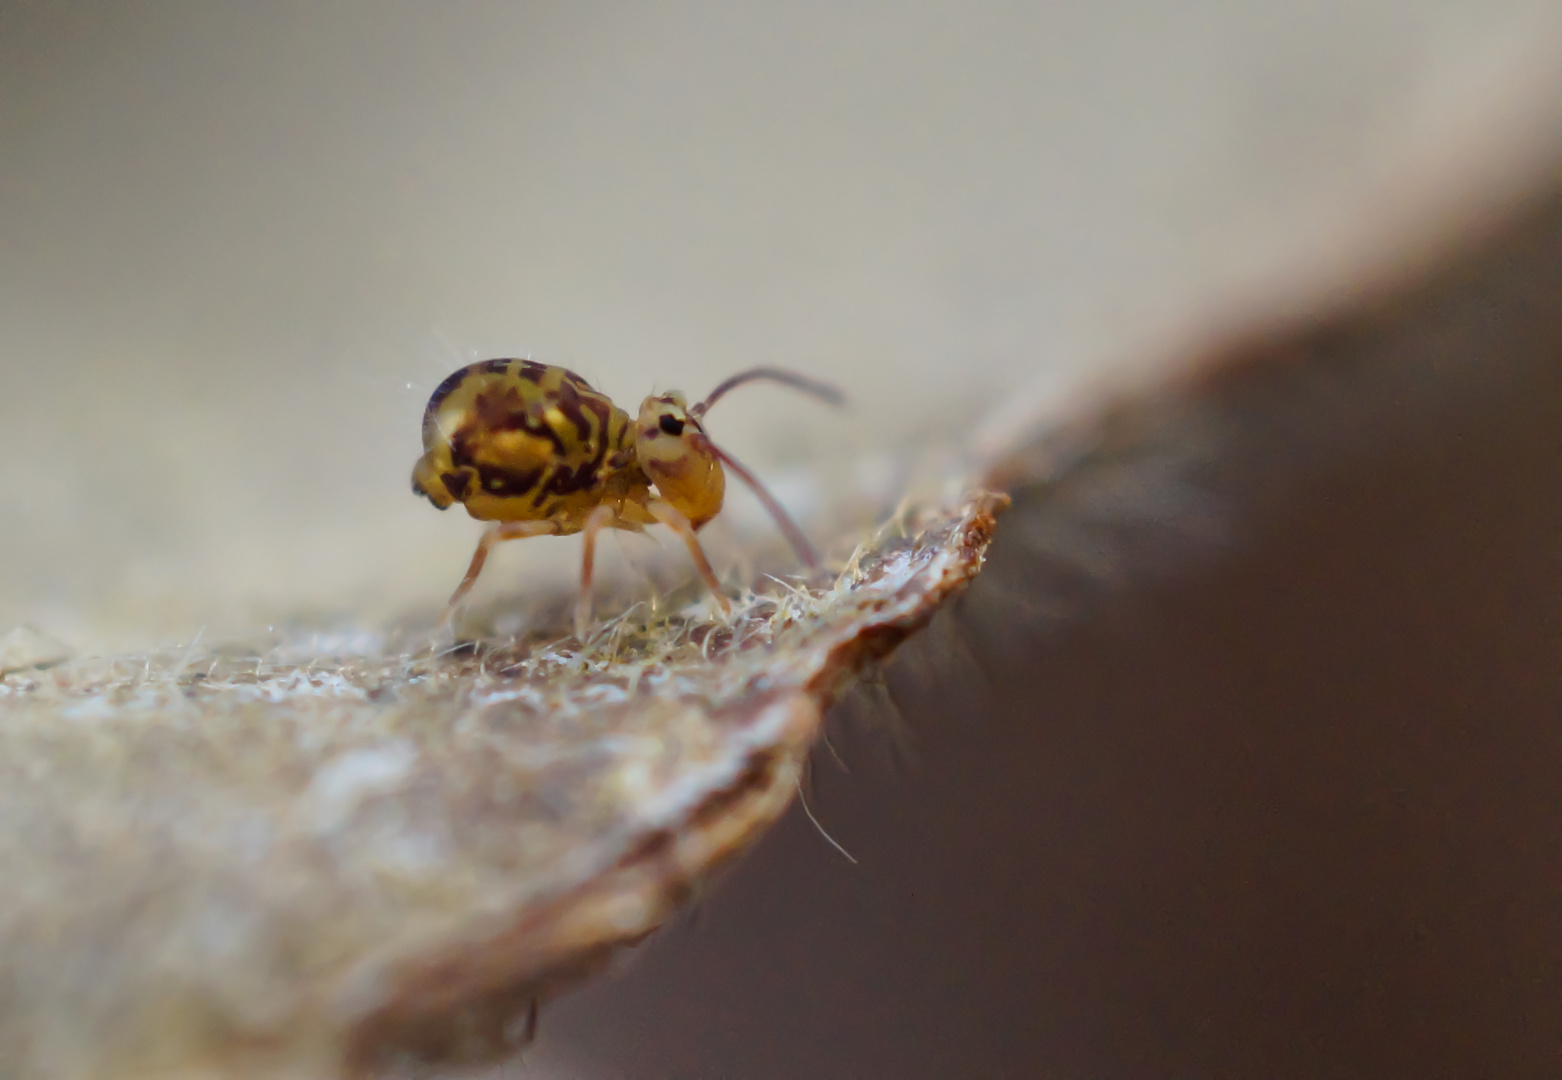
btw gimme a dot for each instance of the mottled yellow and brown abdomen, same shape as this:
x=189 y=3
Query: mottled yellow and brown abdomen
x=515 y=440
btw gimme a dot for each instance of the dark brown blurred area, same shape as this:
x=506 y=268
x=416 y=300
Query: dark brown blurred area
x=1243 y=758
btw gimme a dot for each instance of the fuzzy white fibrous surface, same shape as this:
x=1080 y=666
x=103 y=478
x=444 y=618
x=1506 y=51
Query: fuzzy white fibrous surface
x=332 y=853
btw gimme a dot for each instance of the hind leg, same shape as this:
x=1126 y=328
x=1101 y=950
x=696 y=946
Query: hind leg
x=509 y=530
x=596 y=521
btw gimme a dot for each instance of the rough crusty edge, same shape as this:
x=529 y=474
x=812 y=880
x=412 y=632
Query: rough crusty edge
x=460 y=1001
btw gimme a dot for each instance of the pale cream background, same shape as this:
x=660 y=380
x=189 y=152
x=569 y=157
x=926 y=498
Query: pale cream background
x=240 y=243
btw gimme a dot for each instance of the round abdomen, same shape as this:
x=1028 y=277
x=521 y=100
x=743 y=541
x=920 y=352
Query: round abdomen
x=515 y=440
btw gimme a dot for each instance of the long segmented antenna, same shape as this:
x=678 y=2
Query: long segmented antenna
x=823 y=391
x=789 y=528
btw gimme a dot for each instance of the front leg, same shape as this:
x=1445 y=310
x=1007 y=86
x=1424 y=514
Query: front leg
x=674 y=519
x=509 y=530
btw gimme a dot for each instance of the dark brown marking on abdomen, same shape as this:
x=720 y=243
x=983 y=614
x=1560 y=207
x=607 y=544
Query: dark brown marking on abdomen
x=444 y=390
x=531 y=369
x=507 y=484
x=569 y=403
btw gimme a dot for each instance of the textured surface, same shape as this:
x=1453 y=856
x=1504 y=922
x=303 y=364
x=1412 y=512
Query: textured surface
x=291 y=862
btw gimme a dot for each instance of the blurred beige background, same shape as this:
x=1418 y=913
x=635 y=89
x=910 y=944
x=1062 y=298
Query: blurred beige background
x=239 y=244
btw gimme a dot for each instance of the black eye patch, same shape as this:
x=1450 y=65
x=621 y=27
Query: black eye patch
x=670 y=424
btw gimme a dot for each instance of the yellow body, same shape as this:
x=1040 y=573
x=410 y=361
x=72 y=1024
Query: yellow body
x=534 y=449
x=673 y=454
x=515 y=440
